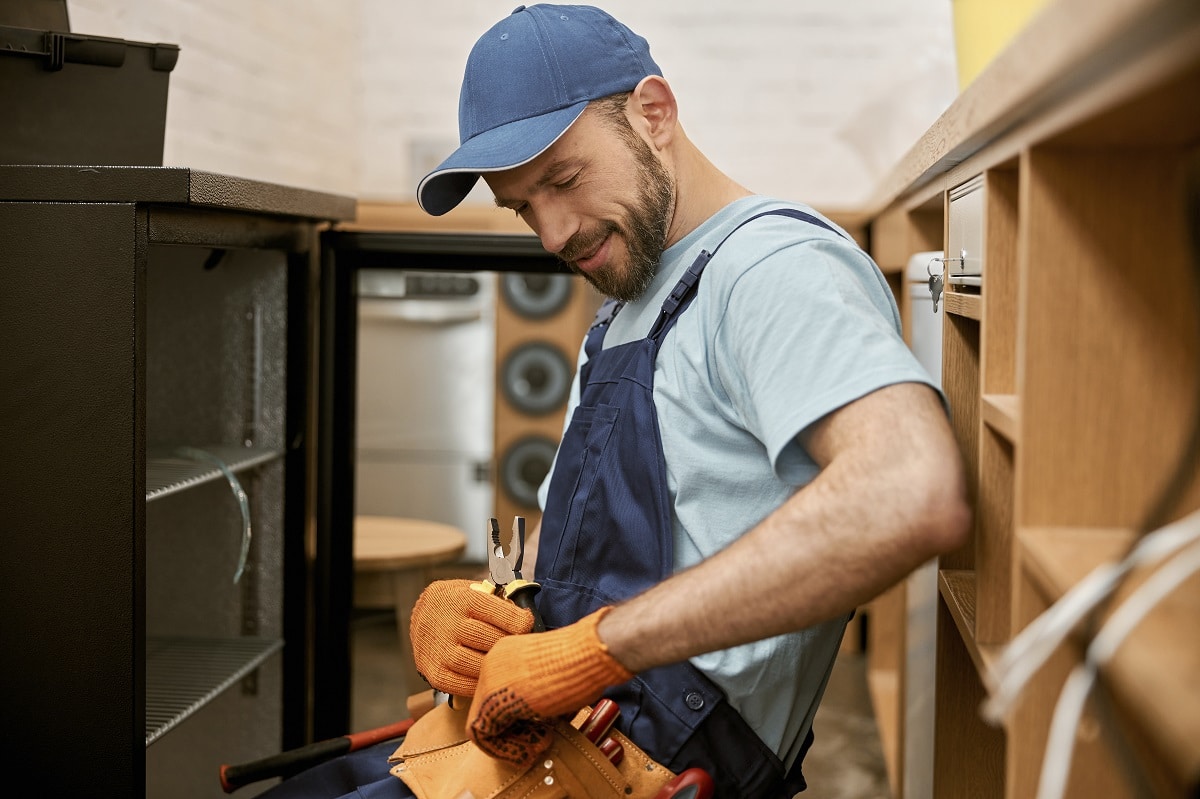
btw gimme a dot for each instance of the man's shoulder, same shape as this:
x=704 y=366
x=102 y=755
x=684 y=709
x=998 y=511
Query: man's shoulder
x=773 y=233
x=768 y=219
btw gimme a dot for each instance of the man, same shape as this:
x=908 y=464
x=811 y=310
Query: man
x=751 y=451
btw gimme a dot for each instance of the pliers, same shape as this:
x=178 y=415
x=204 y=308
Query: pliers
x=504 y=569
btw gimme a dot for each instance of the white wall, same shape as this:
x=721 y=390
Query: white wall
x=805 y=100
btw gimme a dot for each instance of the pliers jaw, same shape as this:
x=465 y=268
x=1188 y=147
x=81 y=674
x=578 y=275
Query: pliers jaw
x=505 y=556
x=505 y=553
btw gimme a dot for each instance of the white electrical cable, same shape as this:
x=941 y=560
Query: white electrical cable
x=1056 y=763
x=1028 y=651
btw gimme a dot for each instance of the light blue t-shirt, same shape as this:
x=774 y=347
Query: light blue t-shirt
x=790 y=322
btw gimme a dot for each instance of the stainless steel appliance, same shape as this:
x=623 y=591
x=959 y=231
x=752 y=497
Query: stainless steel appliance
x=424 y=414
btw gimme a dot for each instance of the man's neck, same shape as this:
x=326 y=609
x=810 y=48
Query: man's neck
x=701 y=190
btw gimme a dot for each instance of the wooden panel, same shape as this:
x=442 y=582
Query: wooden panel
x=1110 y=373
x=998 y=373
x=969 y=755
x=999 y=358
x=994 y=539
x=890 y=246
x=960 y=382
x=900 y=232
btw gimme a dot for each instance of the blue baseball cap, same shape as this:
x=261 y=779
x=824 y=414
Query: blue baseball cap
x=527 y=80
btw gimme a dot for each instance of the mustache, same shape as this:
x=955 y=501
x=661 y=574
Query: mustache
x=582 y=244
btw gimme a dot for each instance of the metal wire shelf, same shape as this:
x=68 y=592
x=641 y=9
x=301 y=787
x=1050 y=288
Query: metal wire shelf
x=184 y=674
x=168 y=472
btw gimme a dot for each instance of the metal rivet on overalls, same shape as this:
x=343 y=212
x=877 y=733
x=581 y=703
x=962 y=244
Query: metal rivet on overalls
x=548 y=764
x=694 y=700
x=549 y=779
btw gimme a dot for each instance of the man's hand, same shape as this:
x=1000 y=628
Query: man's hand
x=528 y=679
x=453 y=626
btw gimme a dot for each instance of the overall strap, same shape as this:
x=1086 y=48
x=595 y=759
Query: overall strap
x=595 y=335
x=686 y=286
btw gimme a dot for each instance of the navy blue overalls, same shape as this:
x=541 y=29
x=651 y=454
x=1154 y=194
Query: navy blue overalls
x=606 y=535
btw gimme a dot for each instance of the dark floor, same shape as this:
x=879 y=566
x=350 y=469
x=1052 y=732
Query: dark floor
x=846 y=761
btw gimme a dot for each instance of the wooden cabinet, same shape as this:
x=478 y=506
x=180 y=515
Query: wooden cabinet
x=1072 y=374
x=158 y=469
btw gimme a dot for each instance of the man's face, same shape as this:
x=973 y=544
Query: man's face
x=599 y=199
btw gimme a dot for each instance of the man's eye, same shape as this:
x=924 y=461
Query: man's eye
x=569 y=182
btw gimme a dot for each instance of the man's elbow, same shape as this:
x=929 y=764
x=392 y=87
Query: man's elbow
x=952 y=530
x=944 y=514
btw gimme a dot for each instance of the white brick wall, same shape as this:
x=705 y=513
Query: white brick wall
x=806 y=100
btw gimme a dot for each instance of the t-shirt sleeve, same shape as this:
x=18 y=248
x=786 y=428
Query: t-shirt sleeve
x=808 y=329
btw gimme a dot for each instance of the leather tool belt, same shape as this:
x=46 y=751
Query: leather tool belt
x=438 y=760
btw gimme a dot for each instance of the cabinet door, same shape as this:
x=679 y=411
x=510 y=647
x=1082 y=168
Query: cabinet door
x=964 y=253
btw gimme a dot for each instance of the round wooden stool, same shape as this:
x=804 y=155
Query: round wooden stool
x=392 y=557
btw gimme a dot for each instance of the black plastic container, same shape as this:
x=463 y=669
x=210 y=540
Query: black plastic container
x=69 y=98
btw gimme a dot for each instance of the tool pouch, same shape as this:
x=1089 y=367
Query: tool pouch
x=439 y=761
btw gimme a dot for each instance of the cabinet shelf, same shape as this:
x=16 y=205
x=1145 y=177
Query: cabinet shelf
x=184 y=674
x=168 y=472
x=957 y=589
x=1001 y=412
x=968 y=305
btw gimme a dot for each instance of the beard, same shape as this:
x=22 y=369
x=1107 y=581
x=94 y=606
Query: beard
x=643 y=227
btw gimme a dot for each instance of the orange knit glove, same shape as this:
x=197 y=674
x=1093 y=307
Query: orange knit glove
x=528 y=679
x=453 y=626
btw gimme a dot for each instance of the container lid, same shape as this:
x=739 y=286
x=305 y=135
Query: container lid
x=56 y=48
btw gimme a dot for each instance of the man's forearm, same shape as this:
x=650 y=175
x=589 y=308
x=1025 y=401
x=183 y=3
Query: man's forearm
x=868 y=519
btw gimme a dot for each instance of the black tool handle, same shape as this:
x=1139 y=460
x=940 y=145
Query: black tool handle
x=523 y=594
x=293 y=761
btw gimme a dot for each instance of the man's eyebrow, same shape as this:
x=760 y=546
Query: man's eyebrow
x=552 y=171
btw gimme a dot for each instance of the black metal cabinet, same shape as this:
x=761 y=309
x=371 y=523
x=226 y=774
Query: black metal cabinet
x=157 y=440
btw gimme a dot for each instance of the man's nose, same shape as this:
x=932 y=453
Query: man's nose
x=555 y=228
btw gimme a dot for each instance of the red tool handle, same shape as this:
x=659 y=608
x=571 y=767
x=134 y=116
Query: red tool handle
x=691 y=784
x=293 y=761
x=600 y=720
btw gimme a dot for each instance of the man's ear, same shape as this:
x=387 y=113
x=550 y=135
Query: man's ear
x=654 y=110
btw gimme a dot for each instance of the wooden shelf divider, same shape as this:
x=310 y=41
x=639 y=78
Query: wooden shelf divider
x=1001 y=412
x=957 y=588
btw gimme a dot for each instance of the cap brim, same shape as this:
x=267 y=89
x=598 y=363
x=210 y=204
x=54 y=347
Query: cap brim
x=506 y=147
